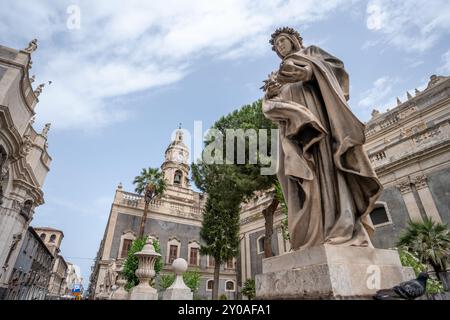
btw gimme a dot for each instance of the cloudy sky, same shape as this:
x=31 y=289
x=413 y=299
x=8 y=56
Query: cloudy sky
x=126 y=73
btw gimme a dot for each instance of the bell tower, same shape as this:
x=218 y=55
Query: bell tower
x=175 y=166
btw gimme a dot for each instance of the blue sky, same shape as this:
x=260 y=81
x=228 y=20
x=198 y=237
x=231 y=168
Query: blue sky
x=123 y=81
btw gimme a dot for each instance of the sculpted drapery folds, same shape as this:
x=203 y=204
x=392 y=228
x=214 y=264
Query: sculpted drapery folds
x=326 y=177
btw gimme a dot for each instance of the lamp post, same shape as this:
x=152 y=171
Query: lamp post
x=148 y=197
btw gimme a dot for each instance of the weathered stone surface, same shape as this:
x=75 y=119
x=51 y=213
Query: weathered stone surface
x=144 y=292
x=330 y=272
x=178 y=290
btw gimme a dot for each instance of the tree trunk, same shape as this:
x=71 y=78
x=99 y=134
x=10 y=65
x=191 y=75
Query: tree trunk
x=215 y=292
x=143 y=220
x=268 y=214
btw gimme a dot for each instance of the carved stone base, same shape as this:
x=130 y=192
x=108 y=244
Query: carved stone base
x=330 y=272
x=120 y=294
x=143 y=291
x=177 y=294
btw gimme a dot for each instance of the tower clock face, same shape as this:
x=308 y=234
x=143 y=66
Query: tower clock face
x=178 y=157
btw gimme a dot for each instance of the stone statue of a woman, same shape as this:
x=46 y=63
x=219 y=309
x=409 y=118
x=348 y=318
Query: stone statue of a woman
x=326 y=177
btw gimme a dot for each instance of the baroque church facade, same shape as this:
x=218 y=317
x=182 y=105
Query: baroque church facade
x=175 y=220
x=24 y=159
x=409 y=147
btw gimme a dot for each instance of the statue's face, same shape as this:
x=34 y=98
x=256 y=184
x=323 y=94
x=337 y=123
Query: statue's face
x=283 y=45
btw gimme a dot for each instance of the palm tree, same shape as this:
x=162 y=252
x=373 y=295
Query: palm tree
x=150 y=182
x=430 y=242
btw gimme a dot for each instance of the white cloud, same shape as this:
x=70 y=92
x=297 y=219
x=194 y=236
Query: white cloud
x=413 y=25
x=377 y=96
x=125 y=47
x=445 y=68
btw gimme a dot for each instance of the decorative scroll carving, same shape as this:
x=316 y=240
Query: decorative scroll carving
x=420 y=182
x=404 y=186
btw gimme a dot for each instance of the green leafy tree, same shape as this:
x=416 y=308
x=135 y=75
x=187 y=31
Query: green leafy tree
x=249 y=289
x=150 y=182
x=429 y=241
x=248 y=176
x=190 y=278
x=132 y=262
x=220 y=225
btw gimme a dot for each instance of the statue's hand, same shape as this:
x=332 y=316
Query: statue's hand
x=291 y=72
x=271 y=86
x=273 y=90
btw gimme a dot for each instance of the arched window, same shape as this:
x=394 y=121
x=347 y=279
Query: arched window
x=42 y=236
x=177 y=177
x=211 y=261
x=229 y=285
x=209 y=285
x=173 y=249
x=52 y=238
x=194 y=253
x=126 y=240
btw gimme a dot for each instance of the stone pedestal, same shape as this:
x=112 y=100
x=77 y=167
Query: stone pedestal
x=178 y=290
x=330 y=272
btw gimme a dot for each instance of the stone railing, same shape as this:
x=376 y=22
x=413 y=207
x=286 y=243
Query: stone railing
x=137 y=201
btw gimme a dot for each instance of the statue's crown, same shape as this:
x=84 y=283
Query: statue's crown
x=287 y=30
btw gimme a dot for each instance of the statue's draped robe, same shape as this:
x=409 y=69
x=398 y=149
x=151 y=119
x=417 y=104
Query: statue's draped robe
x=326 y=177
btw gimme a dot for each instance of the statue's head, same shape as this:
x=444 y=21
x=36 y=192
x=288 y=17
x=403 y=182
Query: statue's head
x=285 y=41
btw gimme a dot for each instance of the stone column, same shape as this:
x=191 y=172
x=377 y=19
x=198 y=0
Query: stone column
x=145 y=272
x=410 y=201
x=426 y=198
x=248 y=264
x=280 y=240
x=120 y=293
x=178 y=290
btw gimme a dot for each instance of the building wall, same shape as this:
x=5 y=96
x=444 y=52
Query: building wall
x=20 y=178
x=31 y=271
x=439 y=184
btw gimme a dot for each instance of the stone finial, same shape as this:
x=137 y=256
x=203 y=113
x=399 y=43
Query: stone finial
x=145 y=272
x=408 y=95
x=32 y=46
x=33 y=77
x=434 y=80
x=179 y=266
x=46 y=129
x=399 y=102
x=120 y=186
x=38 y=90
x=375 y=113
x=416 y=91
x=178 y=290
